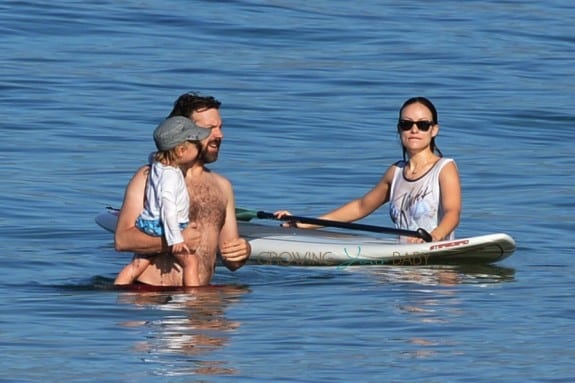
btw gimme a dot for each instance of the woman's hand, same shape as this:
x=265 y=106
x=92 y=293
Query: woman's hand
x=285 y=213
x=293 y=223
x=434 y=237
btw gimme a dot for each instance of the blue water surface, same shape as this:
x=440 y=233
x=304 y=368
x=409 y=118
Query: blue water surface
x=310 y=92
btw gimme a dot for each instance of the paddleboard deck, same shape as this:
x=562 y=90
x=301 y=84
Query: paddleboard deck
x=275 y=245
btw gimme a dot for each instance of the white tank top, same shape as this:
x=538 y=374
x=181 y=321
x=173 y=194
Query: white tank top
x=416 y=203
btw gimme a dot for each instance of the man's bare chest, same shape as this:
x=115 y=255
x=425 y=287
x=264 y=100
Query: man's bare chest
x=207 y=202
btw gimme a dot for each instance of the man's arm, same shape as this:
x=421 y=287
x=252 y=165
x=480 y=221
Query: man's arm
x=234 y=250
x=127 y=236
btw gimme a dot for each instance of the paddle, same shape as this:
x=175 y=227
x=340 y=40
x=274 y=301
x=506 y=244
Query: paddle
x=246 y=215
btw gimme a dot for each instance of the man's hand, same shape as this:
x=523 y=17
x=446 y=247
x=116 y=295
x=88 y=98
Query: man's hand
x=235 y=253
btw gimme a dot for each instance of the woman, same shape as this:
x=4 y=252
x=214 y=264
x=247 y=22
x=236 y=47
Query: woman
x=423 y=189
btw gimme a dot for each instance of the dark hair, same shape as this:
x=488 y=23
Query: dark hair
x=191 y=102
x=429 y=105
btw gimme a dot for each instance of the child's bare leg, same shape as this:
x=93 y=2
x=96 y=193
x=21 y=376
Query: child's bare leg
x=189 y=263
x=133 y=270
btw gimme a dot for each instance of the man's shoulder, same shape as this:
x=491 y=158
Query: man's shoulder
x=143 y=170
x=221 y=180
x=211 y=177
x=141 y=175
x=217 y=177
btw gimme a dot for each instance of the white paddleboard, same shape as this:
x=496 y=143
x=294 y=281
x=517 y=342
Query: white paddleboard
x=275 y=245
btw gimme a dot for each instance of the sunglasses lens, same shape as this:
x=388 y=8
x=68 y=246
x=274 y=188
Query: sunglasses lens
x=423 y=125
x=406 y=125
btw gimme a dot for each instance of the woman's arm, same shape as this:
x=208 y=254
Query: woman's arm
x=353 y=210
x=450 y=187
x=367 y=204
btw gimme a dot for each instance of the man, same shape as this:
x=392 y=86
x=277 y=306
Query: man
x=212 y=225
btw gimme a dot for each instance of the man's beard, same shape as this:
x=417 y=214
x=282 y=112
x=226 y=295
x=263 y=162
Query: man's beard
x=207 y=157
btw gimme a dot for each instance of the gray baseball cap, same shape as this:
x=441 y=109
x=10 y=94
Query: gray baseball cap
x=175 y=130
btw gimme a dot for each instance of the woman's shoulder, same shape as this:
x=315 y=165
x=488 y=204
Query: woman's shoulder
x=393 y=171
x=444 y=161
x=399 y=164
x=447 y=167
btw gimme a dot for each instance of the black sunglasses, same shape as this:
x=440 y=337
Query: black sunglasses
x=406 y=125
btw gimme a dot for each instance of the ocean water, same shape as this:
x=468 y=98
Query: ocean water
x=310 y=93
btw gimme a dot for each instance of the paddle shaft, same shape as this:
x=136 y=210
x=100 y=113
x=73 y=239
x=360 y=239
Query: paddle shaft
x=420 y=233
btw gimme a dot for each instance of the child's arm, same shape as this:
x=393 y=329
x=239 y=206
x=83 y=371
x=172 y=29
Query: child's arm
x=169 y=208
x=178 y=248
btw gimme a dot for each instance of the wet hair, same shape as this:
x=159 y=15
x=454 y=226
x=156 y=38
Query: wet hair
x=191 y=102
x=429 y=105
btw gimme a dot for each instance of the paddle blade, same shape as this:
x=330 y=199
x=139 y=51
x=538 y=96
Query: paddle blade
x=245 y=214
